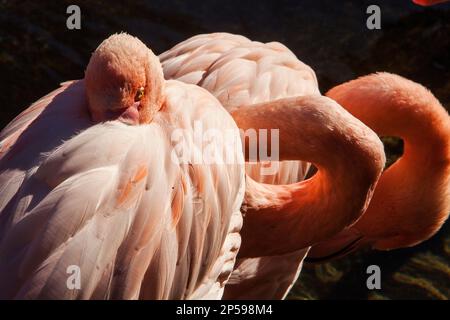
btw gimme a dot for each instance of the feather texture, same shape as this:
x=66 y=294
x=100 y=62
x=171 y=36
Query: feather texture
x=238 y=71
x=110 y=199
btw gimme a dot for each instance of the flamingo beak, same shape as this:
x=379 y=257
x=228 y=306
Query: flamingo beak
x=131 y=114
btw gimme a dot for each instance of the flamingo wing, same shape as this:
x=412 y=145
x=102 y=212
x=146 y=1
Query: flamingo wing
x=108 y=201
x=238 y=71
x=36 y=131
x=189 y=60
x=21 y=122
x=265 y=277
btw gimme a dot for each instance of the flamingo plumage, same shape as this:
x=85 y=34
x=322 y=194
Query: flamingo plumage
x=87 y=179
x=100 y=189
x=233 y=67
x=240 y=72
x=412 y=199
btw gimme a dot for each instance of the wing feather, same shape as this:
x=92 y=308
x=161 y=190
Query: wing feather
x=109 y=199
x=239 y=72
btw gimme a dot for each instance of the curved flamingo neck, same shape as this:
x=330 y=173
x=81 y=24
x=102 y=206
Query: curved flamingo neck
x=412 y=197
x=285 y=218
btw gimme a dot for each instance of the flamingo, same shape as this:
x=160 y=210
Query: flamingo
x=412 y=199
x=100 y=190
x=237 y=70
x=240 y=72
x=427 y=3
x=87 y=181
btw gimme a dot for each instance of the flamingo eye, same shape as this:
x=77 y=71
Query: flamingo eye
x=139 y=94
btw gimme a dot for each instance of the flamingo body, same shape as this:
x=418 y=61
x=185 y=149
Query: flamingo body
x=108 y=198
x=238 y=71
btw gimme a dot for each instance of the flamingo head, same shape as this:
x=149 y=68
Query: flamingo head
x=124 y=81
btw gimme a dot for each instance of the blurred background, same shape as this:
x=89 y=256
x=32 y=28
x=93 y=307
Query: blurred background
x=37 y=52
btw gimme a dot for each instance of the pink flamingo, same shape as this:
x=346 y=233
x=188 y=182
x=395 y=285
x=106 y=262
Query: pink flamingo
x=427 y=3
x=104 y=195
x=88 y=180
x=241 y=72
x=238 y=71
x=412 y=198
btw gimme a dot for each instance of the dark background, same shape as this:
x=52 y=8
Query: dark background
x=37 y=52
